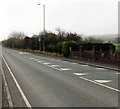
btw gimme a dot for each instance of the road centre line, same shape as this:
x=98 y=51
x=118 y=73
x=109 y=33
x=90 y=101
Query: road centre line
x=65 y=69
x=54 y=65
x=74 y=63
x=80 y=74
x=18 y=86
x=103 y=81
x=117 y=73
x=103 y=85
x=84 y=65
x=46 y=63
x=100 y=68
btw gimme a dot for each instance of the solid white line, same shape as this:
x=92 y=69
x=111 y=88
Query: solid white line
x=100 y=84
x=18 y=86
x=7 y=89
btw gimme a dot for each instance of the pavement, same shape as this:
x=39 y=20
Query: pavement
x=52 y=82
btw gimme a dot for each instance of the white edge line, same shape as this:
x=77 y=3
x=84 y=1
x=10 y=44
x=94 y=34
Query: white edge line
x=7 y=90
x=18 y=86
x=100 y=84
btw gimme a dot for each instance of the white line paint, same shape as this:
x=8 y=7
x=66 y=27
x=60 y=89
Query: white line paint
x=46 y=63
x=84 y=65
x=103 y=81
x=40 y=61
x=64 y=69
x=73 y=63
x=31 y=58
x=54 y=65
x=18 y=86
x=100 y=84
x=23 y=53
x=7 y=89
x=100 y=68
x=36 y=59
x=117 y=73
x=80 y=74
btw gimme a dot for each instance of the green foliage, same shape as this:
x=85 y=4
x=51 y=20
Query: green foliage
x=117 y=47
x=51 y=48
x=59 y=47
x=66 y=47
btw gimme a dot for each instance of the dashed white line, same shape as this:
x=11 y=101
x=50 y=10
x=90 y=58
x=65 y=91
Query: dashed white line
x=36 y=59
x=54 y=65
x=46 y=63
x=31 y=58
x=100 y=68
x=73 y=63
x=84 y=65
x=40 y=61
x=103 y=81
x=100 y=84
x=117 y=73
x=80 y=74
x=64 y=69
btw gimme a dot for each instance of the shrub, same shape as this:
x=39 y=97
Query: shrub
x=66 y=47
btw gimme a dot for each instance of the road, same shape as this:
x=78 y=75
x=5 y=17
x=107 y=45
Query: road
x=49 y=82
x=0 y=77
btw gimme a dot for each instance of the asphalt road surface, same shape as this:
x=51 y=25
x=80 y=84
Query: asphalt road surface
x=49 y=82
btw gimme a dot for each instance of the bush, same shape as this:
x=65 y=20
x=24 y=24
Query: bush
x=66 y=47
x=59 y=47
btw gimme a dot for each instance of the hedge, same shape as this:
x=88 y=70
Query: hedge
x=64 y=47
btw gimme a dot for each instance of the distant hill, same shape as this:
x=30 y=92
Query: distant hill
x=106 y=37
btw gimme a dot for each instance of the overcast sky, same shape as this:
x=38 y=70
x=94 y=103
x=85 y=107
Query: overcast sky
x=82 y=16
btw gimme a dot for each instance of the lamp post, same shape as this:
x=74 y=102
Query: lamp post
x=43 y=26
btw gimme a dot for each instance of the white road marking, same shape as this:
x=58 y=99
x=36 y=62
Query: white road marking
x=103 y=81
x=117 y=73
x=73 y=63
x=46 y=63
x=31 y=58
x=54 y=65
x=80 y=74
x=36 y=59
x=64 y=69
x=18 y=86
x=40 y=61
x=100 y=84
x=23 y=53
x=84 y=65
x=100 y=68
x=7 y=90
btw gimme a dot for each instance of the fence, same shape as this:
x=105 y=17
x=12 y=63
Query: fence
x=103 y=56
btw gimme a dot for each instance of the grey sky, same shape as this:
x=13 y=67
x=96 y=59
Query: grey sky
x=82 y=16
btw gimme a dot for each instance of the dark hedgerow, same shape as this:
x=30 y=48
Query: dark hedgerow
x=66 y=47
x=87 y=46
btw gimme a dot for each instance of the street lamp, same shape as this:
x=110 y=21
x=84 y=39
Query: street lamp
x=43 y=25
